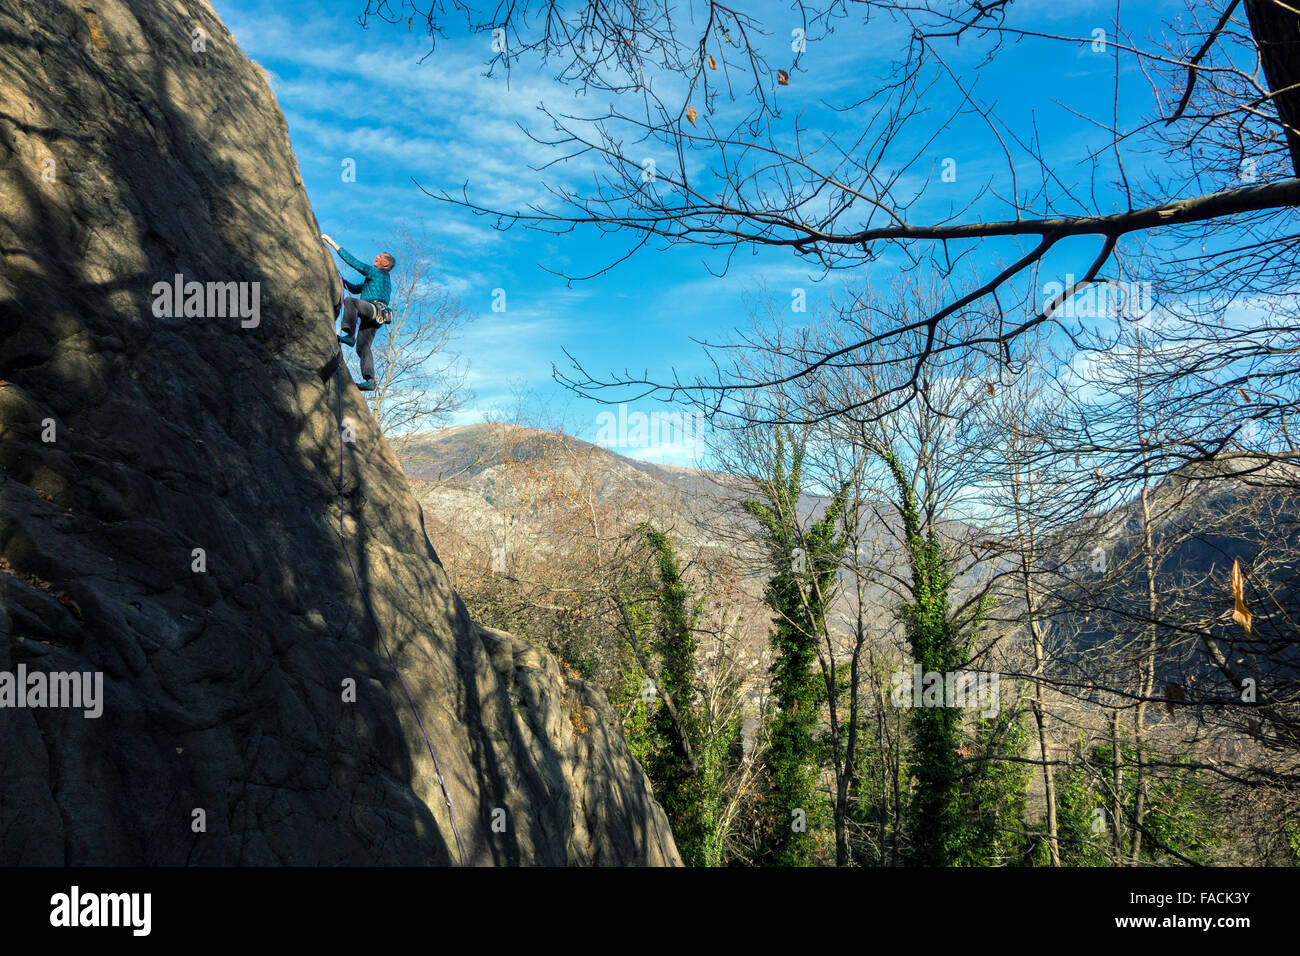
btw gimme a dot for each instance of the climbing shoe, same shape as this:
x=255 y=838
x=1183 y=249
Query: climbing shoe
x=347 y=339
x=366 y=386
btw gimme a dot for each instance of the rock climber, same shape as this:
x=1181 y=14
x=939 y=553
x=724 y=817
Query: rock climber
x=371 y=306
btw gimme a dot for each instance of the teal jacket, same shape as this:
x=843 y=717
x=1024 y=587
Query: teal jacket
x=377 y=287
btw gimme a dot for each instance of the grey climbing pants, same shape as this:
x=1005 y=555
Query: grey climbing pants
x=352 y=308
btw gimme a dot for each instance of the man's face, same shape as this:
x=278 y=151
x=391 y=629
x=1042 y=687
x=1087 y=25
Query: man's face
x=382 y=262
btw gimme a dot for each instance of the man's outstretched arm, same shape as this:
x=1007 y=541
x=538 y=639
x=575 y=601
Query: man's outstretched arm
x=363 y=267
x=349 y=258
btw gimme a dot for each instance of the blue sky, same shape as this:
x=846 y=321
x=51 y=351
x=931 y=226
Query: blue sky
x=349 y=92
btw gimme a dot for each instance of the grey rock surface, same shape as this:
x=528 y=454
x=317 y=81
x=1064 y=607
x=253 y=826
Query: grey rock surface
x=130 y=157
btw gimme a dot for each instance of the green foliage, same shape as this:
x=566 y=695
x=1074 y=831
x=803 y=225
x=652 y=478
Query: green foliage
x=720 y=751
x=1181 y=812
x=876 y=801
x=693 y=797
x=1293 y=842
x=678 y=785
x=1182 y=815
x=638 y=719
x=967 y=805
x=937 y=647
x=991 y=801
x=1082 y=834
x=804 y=573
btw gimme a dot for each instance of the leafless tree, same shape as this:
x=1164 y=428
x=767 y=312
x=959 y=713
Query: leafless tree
x=419 y=379
x=1206 y=172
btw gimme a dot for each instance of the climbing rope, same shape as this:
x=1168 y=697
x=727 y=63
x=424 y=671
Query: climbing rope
x=374 y=619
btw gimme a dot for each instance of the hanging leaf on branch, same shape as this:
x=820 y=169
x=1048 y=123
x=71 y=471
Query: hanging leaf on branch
x=782 y=77
x=691 y=114
x=1240 y=613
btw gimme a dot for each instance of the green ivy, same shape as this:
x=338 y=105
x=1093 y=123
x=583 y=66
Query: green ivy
x=798 y=593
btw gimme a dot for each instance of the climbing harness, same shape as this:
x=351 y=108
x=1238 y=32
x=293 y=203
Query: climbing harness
x=374 y=619
x=383 y=313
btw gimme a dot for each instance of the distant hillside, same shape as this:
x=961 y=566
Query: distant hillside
x=460 y=474
x=1200 y=528
x=483 y=476
x=459 y=454
x=480 y=488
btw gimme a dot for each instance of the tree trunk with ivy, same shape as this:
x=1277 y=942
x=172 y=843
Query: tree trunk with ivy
x=805 y=566
x=936 y=731
x=674 y=768
x=687 y=751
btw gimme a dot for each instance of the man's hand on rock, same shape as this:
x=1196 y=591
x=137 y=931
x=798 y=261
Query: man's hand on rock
x=329 y=241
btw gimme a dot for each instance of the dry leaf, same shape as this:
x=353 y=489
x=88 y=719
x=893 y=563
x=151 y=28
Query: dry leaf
x=1097 y=472
x=1240 y=613
x=713 y=64
x=691 y=114
x=783 y=77
x=989 y=386
x=1173 y=692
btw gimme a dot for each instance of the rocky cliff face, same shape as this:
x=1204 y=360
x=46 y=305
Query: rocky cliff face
x=170 y=509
